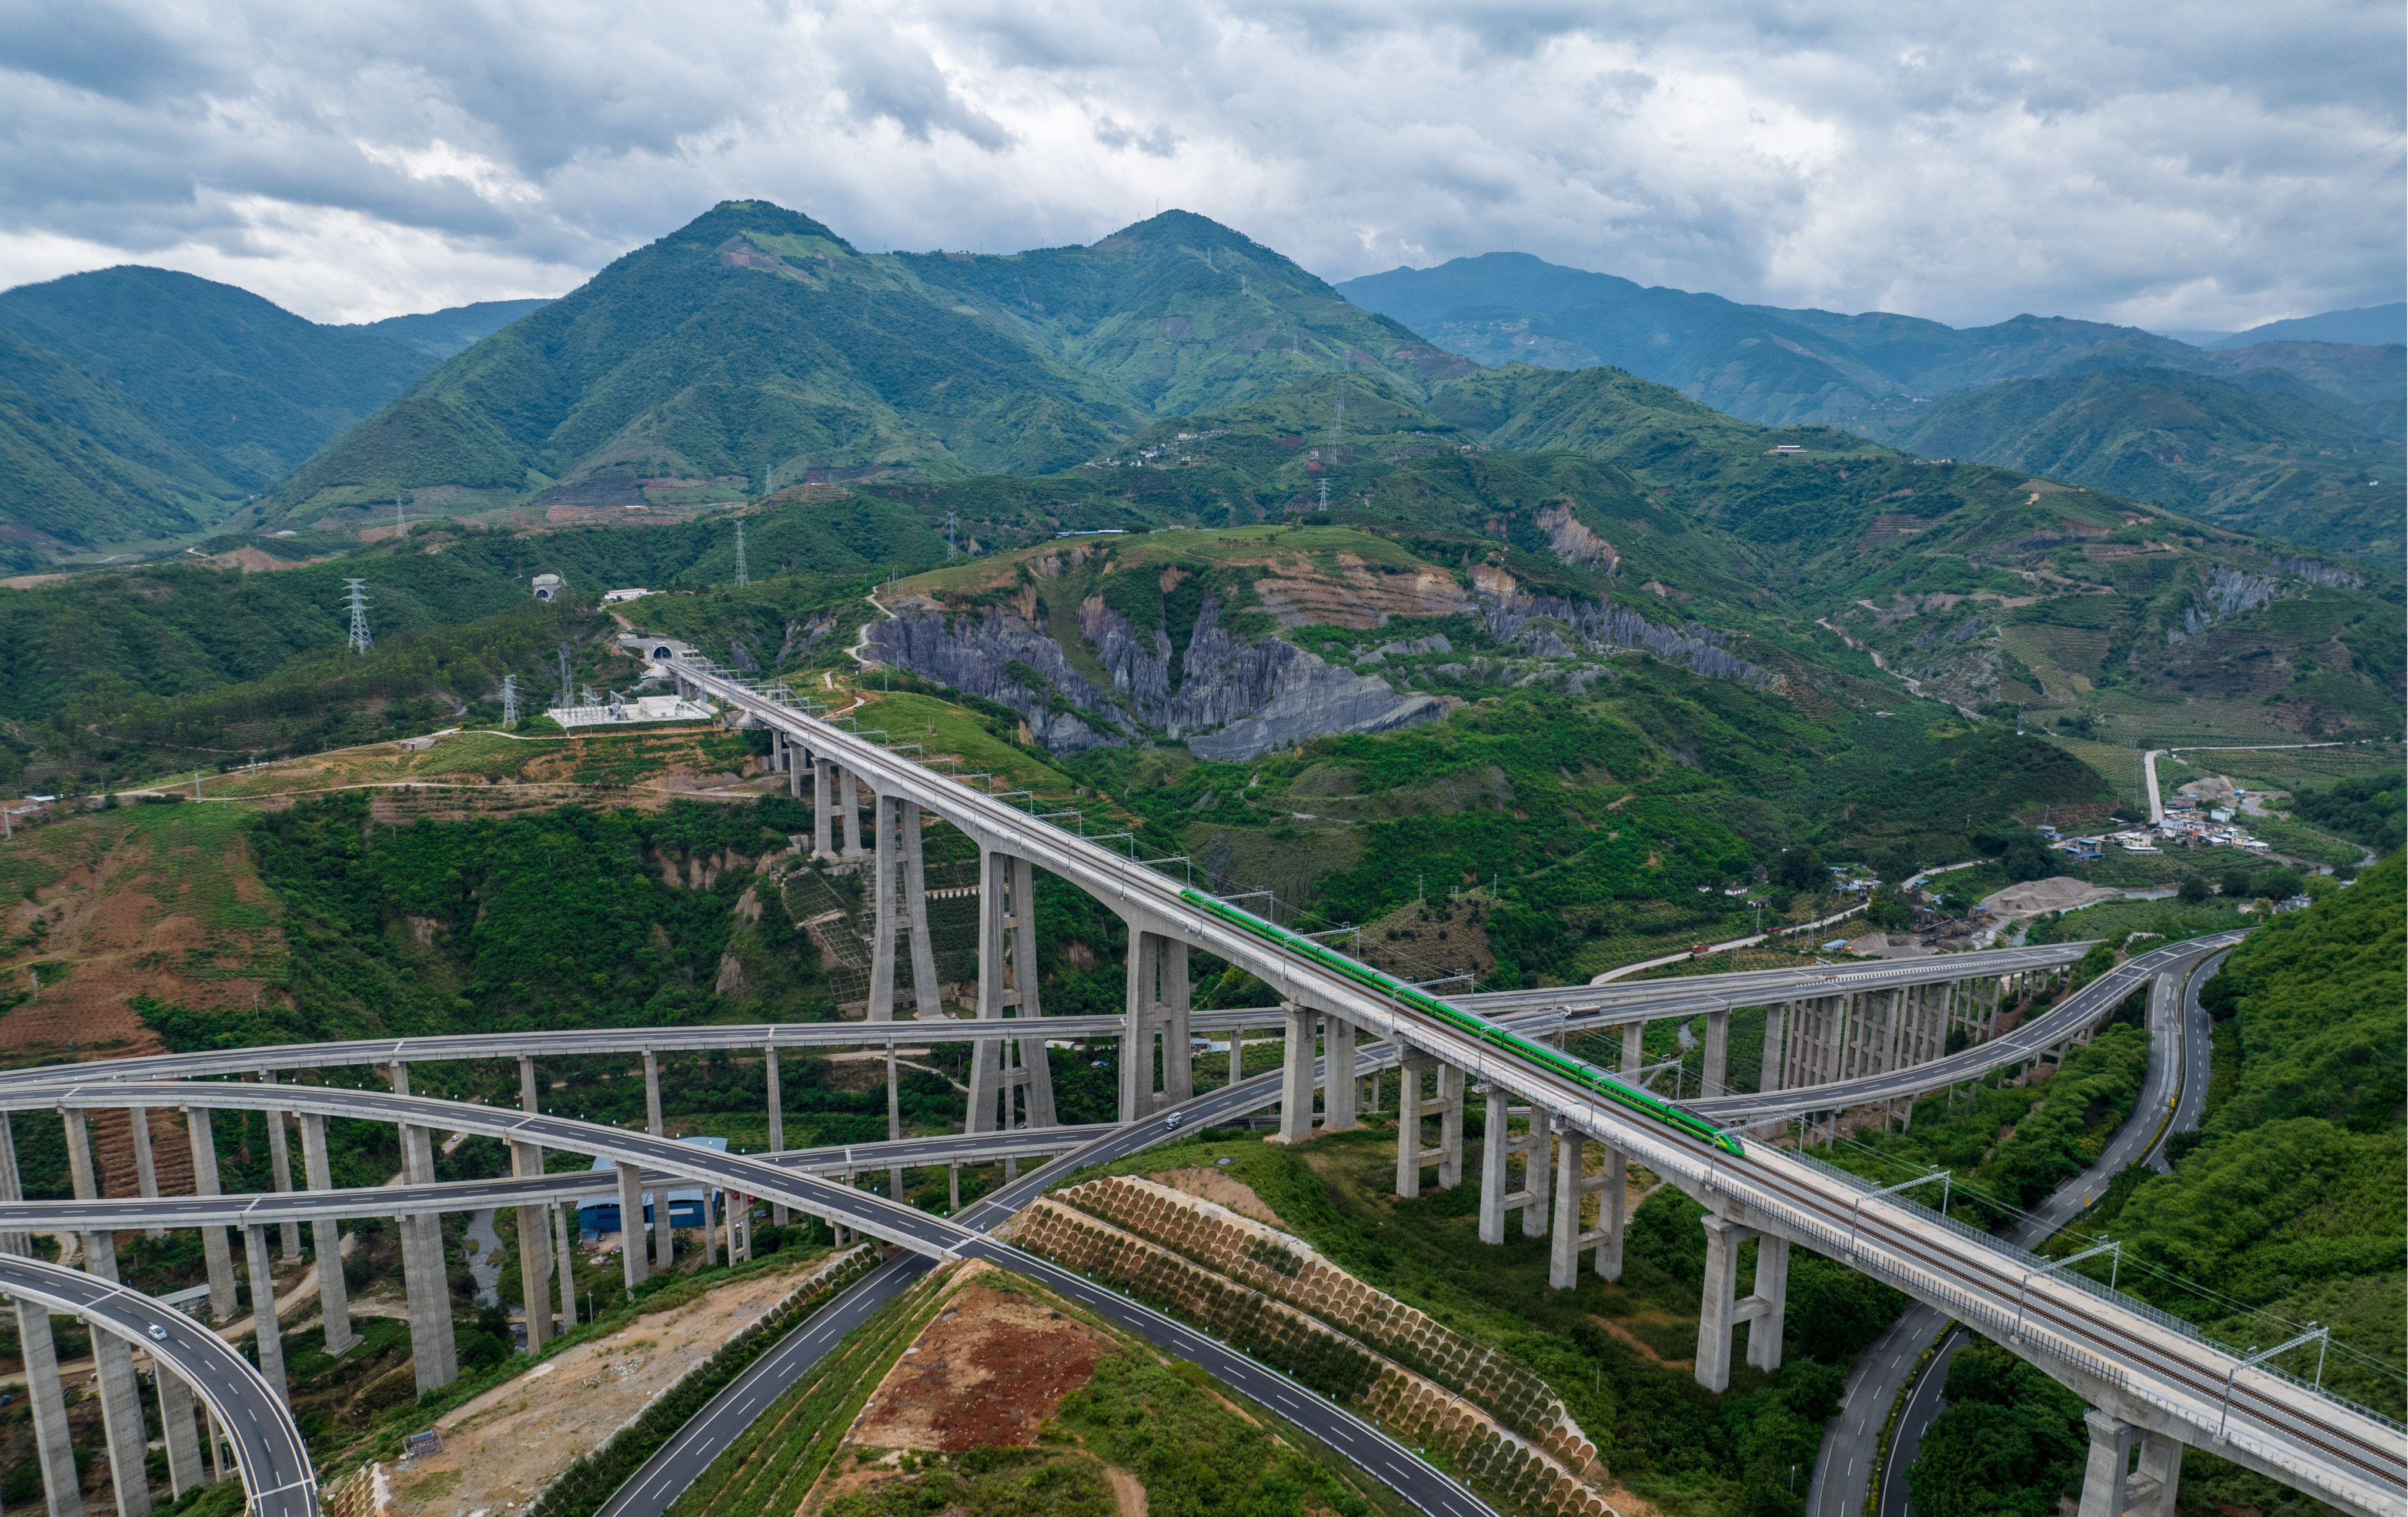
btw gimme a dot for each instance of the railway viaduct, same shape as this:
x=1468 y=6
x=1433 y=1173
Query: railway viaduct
x=1839 y=1038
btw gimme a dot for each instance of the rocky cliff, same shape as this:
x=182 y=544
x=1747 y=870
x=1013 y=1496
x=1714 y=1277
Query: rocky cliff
x=1258 y=696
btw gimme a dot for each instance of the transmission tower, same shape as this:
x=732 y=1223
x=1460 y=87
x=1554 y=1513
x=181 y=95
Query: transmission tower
x=1338 y=418
x=741 y=578
x=1325 y=495
x=509 y=701
x=355 y=595
x=953 y=519
x=400 y=524
x=567 y=694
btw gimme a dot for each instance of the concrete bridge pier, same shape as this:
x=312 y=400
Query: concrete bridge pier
x=178 y=1432
x=214 y=1251
x=1716 y=1071
x=1007 y=968
x=566 y=1251
x=146 y=1166
x=1498 y=1143
x=848 y=787
x=1296 y=1082
x=426 y=1282
x=2110 y=1486
x=632 y=1262
x=535 y=1251
x=901 y=900
x=1413 y=1107
x=663 y=1235
x=266 y=1335
x=49 y=1406
x=1338 y=1091
x=535 y=1259
x=822 y=809
x=777 y=1119
x=1159 y=1007
x=1765 y=1308
x=334 y=1301
x=121 y=1392
x=280 y=1165
x=1610 y=1185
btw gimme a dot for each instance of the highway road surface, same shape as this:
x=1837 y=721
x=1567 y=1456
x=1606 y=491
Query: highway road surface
x=274 y=1461
x=1853 y=1439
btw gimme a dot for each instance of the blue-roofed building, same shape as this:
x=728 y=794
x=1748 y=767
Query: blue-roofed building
x=688 y=1206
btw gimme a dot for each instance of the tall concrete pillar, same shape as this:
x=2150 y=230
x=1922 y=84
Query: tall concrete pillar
x=2152 y=1492
x=49 y=1405
x=1776 y=1035
x=894 y=1125
x=1773 y=1289
x=280 y=1164
x=1411 y=1063
x=1413 y=1107
x=1295 y=1077
x=146 y=1166
x=631 y=1224
x=1717 y=1051
x=178 y=1431
x=535 y=1252
x=1715 y=1312
x=822 y=809
x=13 y=1187
x=214 y=1251
x=1157 y=1010
x=334 y=1300
x=1001 y=1068
x=1338 y=1084
x=121 y=1394
x=1765 y=1308
x=848 y=812
x=1498 y=1143
x=653 y=1122
x=1610 y=1185
x=900 y=883
x=425 y=1272
x=566 y=1252
x=2105 y=1476
x=777 y=1120
x=80 y=1173
x=269 y=1336
x=1634 y=1048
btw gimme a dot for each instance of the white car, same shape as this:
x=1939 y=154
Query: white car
x=158 y=1332
x=1174 y=1119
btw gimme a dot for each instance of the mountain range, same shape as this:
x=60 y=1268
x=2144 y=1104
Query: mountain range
x=2320 y=467
x=141 y=404
x=756 y=346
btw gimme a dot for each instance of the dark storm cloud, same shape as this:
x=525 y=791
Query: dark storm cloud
x=2177 y=165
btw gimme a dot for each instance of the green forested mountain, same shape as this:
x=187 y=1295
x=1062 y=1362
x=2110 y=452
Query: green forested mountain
x=2267 y=462
x=261 y=387
x=82 y=464
x=1760 y=363
x=1181 y=314
x=752 y=339
x=441 y=334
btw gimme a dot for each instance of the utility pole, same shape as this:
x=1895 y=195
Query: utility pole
x=355 y=595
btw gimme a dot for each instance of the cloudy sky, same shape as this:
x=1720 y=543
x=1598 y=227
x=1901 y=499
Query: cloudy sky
x=2170 y=164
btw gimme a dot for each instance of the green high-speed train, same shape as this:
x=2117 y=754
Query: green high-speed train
x=1587 y=1076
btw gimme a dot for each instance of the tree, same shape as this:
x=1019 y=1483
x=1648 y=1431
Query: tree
x=2193 y=891
x=1799 y=868
x=2278 y=884
x=2233 y=882
x=2026 y=859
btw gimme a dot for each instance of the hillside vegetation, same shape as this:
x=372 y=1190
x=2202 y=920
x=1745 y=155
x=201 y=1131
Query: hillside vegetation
x=2269 y=462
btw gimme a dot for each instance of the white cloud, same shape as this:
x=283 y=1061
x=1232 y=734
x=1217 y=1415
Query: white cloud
x=2177 y=165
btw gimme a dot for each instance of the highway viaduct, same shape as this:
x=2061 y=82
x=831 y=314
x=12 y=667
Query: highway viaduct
x=2152 y=1379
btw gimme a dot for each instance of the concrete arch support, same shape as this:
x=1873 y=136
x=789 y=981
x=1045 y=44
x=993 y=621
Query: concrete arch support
x=1011 y=1085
